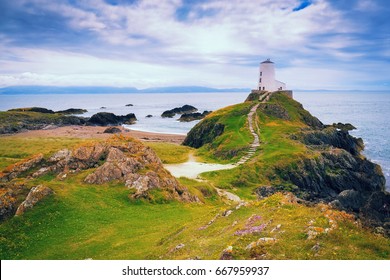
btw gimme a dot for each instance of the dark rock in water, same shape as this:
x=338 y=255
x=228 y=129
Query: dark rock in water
x=189 y=117
x=168 y=114
x=33 y=109
x=129 y=118
x=72 y=111
x=35 y=195
x=105 y=119
x=344 y=127
x=103 y=107
x=203 y=133
x=186 y=109
x=129 y=105
x=112 y=130
x=149 y=116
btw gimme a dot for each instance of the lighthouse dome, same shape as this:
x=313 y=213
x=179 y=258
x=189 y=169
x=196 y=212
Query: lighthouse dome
x=267 y=61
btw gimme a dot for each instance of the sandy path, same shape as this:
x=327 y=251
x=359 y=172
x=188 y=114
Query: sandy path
x=97 y=132
x=192 y=168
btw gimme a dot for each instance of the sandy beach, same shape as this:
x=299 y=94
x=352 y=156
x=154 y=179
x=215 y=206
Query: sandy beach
x=97 y=132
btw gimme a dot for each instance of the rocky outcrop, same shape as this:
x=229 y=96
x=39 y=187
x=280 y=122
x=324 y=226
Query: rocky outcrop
x=189 y=117
x=118 y=159
x=344 y=179
x=20 y=167
x=344 y=126
x=334 y=171
x=106 y=119
x=331 y=136
x=35 y=195
x=203 y=133
x=11 y=196
x=186 y=109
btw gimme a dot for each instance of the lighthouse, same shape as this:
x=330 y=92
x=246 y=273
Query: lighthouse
x=267 y=80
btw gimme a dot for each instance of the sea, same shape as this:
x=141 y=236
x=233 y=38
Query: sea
x=369 y=112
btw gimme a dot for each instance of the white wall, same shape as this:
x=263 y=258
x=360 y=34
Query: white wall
x=267 y=77
x=279 y=85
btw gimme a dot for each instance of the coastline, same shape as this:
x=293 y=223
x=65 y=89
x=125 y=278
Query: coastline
x=96 y=132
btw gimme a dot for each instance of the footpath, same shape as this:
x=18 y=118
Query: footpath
x=255 y=131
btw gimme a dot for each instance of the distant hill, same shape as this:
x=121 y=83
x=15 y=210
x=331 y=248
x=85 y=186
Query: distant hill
x=97 y=90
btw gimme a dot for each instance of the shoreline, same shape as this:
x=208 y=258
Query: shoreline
x=96 y=132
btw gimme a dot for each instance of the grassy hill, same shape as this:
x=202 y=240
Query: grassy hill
x=100 y=221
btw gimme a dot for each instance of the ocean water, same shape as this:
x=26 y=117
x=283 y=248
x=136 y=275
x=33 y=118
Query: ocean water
x=143 y=104
x=367 y=111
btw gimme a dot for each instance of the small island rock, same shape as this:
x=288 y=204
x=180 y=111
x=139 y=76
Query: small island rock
x=186 y=109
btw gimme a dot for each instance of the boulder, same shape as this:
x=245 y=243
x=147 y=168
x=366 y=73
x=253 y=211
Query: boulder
x=149 y=116
x=11 y=195
x=112 y=130
x=351 y=200
x=117 y=166
x=129 y=105
x=106 y=119
x=35 y=195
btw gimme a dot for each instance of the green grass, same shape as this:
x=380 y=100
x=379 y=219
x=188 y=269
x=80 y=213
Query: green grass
x=15 y=148
x=100 y=221
x=236 y=138
x=276 y=149
x=87 y=221
x=169 y=152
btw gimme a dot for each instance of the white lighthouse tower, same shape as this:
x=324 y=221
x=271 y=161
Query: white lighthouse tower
x=267 y=80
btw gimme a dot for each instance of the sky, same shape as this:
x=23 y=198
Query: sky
x=315 y=44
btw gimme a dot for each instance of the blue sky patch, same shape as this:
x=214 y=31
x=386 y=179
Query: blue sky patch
x=302 y=5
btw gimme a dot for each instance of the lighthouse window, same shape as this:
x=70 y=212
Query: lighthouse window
x=261 y=73
x=260 y=80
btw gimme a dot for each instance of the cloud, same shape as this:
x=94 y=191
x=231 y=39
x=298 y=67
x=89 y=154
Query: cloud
x=205 y=41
